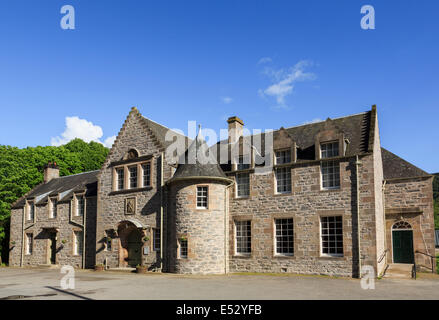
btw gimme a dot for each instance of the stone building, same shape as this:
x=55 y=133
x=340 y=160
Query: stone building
x=320 y=198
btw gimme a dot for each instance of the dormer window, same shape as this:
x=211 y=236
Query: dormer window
x=53 y=208
x=283 y=156
x=243 y=163
x=329 y=150
x=80 y=205
x=30 y=211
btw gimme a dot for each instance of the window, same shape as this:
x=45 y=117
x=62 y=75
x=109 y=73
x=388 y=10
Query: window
x=202 y=200
x=77 y=250
x=242 y=185
x=80 y=205
x=146 y=174
x=133 y=177
x=29 y=243
x=120 y=178
x=108 y=244
x=156 y=242
x=332 y=236
x=284 y=236
x=243 y=163
x=31 y=211
x=283 y=180
x=330 y=175
x=283 y=156
x=53 y=208
x=243 y=237
x=329 y=150
x=183 y=248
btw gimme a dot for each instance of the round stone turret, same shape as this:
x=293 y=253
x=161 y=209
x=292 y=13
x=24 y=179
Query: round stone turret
x=197 y=212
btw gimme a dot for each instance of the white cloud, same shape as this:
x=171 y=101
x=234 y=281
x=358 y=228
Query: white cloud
x=226 y=100
x=283 y=81
x=82 y=129
x=313 y=121
x=109 y=141
x=264 y=60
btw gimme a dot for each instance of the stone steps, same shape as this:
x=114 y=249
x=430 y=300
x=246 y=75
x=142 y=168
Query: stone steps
x=399 y=271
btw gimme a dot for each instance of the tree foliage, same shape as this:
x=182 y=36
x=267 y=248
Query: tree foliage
x=22 y=169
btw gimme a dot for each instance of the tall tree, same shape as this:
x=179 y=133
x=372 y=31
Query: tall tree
x=22 y=169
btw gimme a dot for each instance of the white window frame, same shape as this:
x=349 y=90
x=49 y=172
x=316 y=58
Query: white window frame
x=30 y=209
x=129 y=176
x=77 y=211
x=53 y=208
x=282 y=154
x=78 y=243
x=288 y=171
x=29 y=243
x=330 y=148
x=118 y=170
x=202 y=197
x=334 y=177
x=144 y=166
x=246 y=238
x=245 y=185
x=291 y=245
x=329 y=254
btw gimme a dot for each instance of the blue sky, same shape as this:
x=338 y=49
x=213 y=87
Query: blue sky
x=208 y=60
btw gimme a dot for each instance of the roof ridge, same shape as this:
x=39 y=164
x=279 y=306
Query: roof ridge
x=307 y=124
x=162 y=125
x=77 y=174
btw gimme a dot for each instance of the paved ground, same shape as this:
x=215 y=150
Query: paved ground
x=32 y=283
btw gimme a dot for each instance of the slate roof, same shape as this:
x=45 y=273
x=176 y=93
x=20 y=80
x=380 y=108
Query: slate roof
x=395 y=167
x=64 y=186
x=160 y=132
x=356 y=128
x=191 y=165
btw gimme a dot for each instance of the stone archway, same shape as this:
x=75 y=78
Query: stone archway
x=130 y=244
x=402 y=242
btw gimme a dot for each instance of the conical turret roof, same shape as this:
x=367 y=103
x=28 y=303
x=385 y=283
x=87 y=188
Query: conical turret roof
x=198 y=162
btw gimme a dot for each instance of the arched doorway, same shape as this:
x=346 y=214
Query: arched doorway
x=130 y=253
x=402 y=242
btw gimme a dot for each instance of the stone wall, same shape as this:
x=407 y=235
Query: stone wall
x=41 y=230
x=111 y=206
x=411 y=200
x=204 y=229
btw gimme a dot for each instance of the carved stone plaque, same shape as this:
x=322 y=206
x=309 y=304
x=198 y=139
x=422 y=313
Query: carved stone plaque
x=130 y=206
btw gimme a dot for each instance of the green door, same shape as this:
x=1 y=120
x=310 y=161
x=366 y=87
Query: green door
x=52 y=240
x=403 y=246
x=134 y=248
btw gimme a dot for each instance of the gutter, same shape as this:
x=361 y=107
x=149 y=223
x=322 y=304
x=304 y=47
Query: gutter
x=357 y=178
x=161 y=211
x=226 y=229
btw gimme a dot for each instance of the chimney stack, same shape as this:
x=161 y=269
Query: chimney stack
x=235 y=129
x=51 y=171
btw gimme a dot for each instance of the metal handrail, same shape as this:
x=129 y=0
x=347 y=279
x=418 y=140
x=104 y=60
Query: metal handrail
x=431 y=258
x=383 y=255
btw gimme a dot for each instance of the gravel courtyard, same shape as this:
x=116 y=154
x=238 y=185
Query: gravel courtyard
x=33 y=283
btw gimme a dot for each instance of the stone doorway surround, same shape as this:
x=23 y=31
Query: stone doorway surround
x=130 y=233
x=405 y=216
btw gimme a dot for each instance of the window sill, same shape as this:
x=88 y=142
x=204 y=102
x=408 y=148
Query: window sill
x=283 y=194
x=124 y=191
x=283 y=256
x=331 y=257
x=241 y=198
x=242 y=256
x=330 y=189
